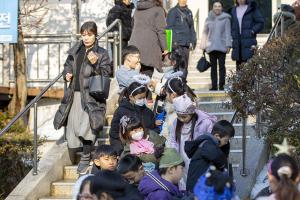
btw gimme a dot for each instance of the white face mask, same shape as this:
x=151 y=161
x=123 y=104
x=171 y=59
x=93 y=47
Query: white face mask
x=140 y=102
x=138 y=135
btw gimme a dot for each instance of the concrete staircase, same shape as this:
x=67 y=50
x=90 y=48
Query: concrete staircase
x=215 y=103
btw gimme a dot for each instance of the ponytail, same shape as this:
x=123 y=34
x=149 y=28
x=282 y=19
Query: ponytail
x=287 y=189
x=285 y=169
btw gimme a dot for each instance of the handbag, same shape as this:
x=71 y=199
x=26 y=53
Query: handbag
x=203 y=64
x=99 y=86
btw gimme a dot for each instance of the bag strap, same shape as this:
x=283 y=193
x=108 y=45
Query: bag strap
x=156 y=180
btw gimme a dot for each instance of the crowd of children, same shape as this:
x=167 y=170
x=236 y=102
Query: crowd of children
x=176 y=151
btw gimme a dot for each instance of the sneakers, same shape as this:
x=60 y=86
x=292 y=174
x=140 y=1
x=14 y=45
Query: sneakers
x=84 y=164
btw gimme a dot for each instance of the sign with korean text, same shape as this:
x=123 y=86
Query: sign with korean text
x=9 y=21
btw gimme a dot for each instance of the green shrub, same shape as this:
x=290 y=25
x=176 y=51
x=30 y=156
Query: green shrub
x=16 y=147
x=276 y=70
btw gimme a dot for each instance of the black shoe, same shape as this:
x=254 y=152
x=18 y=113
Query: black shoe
x=221 y=88
x=213 y=89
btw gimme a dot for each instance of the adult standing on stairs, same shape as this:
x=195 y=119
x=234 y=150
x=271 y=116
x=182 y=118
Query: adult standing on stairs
x=216 y=41
x=86 y=116
x=247 y=22
x=148 y=34
x=180 y=20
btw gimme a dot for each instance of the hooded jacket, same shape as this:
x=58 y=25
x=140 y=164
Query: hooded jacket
x=203 y=152
x=252 y=24
x=126 y=108
x=123 y=12
x=217 y=33
x=153 y=191
x=148 y=33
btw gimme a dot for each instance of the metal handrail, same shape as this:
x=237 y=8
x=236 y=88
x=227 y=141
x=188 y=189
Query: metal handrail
x=244 y=171
x=28 y=106
x=34 y=101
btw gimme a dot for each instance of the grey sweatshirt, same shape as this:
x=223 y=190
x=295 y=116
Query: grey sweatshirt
x=125 y=76
x=217 y=33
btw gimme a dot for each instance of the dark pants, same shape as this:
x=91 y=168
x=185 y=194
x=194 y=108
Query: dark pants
x=216 y=57
x=186 y=54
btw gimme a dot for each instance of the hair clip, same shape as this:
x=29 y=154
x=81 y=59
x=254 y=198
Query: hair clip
x=124 y=123
x=285 y=170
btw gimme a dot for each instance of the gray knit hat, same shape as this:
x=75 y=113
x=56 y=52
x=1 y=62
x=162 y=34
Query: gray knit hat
x=170 y=158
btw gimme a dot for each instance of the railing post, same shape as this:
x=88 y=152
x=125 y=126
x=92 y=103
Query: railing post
x=120 y=43
x=115 y=52
x=35 y=142
x=65 y=127
x=281 y=25
x=244 y=124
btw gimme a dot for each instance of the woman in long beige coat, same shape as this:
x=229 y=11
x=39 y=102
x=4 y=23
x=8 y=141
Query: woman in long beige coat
x=148 y=34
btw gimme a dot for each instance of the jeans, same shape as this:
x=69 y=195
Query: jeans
x=216 y=57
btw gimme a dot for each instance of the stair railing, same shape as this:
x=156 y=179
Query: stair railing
x=280 y=21
x=34 y=102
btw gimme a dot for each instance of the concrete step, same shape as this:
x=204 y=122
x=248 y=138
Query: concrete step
x=206 y=95
x=70 y=173
x=215 y=106
x=57 y=198
x=62 y=188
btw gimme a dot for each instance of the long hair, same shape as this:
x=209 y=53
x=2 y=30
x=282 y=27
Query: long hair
x=286 y=188
x=179 y=125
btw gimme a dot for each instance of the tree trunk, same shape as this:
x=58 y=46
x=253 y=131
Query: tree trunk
x=19 y=99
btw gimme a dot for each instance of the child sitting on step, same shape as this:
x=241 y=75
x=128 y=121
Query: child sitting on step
x=130 y=68
x=133 y=103
x=105 y=158
x=206 y=150
x=141 y=142
x=162 y=183
x=131 y=168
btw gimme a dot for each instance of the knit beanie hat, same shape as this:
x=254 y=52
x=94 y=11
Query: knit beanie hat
x=170 y=158
x=184 y=105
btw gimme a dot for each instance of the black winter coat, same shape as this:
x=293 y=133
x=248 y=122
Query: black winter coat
x=123 y=12
x=203 y=152
x=181 y=21
x=252 y=24
x=95 y=109
x=126 y=108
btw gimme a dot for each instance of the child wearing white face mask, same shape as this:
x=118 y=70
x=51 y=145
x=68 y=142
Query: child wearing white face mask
x=132 y=103
x=145 y=144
